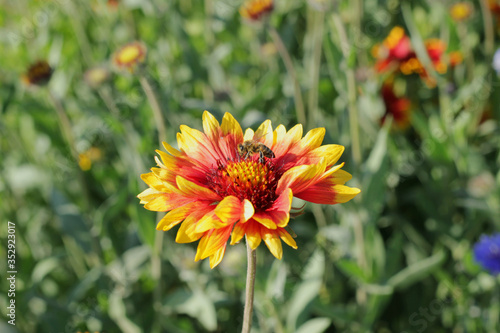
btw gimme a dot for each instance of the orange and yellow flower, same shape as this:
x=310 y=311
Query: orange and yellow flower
x=396 y=53
x=38 y=74
x=494 y=7
x=461 y=11
x=254 y=10
x=130 y=56
x=218 y=194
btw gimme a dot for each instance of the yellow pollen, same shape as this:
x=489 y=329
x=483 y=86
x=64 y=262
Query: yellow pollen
x=249 y=174
x=129 y=54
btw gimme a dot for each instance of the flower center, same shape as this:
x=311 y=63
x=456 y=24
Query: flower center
x=247 y=179
x=129 y=53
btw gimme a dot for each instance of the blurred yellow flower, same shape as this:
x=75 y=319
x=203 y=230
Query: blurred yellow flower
x=224 y=184
x=461 y=11
x=255 y=9
x=96 y=76
x=130 y=56
x=86 y=158
x=455 y=58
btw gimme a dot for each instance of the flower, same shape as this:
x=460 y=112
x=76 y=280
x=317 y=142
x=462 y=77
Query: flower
x=455 y=58
x=113 y=4
x=254 y=10
x=86 y=158
x=487 y=253
x=96 y=76
x=496 y=61
x=217 y=193
x=396 y=54
x=130 y=56
x=38 y=74
x=395 y=49
x=461 y=11
x=494 y=7
x=397 y=107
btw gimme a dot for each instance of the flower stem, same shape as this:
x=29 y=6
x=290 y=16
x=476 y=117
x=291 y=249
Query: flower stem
x=489 y=33
x=251 y=268
x=351 y=89
x=287 y=60
x=318 y=18
x=155 y=106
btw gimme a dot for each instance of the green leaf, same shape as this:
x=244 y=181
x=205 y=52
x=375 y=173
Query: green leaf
x=195 y=304
x=375 y=174
x=351 y=269
x=417 y=271
x=117 y=312
x=316 y=325
x=307 y=290
x=275 y=286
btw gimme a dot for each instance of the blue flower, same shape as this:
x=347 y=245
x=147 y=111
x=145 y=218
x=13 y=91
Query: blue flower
x=496 y=61
x=487 y=253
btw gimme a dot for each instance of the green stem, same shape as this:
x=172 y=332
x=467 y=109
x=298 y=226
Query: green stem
x=66 y=129
x=126 y=126
x=489 y=33
x=351 y=90
x=287 y=60
x=155 y=106
x=158 y=247
x=318 y=18
x=251 y=268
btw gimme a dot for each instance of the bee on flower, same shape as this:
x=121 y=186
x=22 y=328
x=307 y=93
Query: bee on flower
x=218 y=189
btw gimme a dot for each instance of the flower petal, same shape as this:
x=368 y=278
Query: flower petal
x=273 y=243
x=211 y=126
x=326 y=193
x=247 y=211
x=231 y=126
x=249 y=134
x=313 y=138
x=287 y=238
x=209 y=221
x=176 y=216
x=216 y=258
x=238 y=233
x=300 y=177
x=285 y=143
x=171 y=150
x=265 y=219
x=212 y=242
x=197 y=146
x=331 y=153
x=252 y=231
x=229 y=209
x=187 y=231
x=191 y=189
x=164 y=202
x=264 y=133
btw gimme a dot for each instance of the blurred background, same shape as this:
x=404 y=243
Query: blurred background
x=409 y=88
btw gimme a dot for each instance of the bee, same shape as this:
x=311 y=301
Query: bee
x=250 y=147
